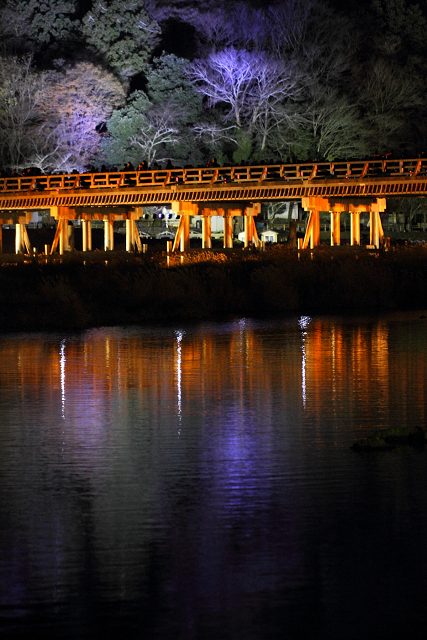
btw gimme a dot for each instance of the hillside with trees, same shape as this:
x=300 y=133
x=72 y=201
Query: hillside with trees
x=107 y=82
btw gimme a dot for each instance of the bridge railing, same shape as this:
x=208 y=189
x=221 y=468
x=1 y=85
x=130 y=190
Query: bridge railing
x=359 y=169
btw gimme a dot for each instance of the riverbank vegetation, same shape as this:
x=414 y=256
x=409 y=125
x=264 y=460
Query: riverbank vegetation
x=76 y=293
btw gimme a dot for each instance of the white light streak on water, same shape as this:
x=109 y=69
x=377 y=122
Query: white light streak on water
x=303 y=322
x=62 y=361
x=179 y=336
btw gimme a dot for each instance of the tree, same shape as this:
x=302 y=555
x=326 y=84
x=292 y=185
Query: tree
x=140 y=131
x=402 y=25
x=389 y=95
x=37 y=24
x=123 y=33
x=168 y=84
x=76 y=103
x=230 y=25
x=167 y=79
x=158 y=132
x=256 y=88
x=250 y=83
x=21 y=93
x=334 y=125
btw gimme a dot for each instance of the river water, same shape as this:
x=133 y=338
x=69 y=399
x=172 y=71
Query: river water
x=197 y=481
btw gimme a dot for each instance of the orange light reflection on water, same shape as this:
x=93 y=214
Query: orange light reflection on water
x=347 y=365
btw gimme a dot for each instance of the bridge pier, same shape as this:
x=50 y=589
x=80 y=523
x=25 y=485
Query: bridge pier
x=182 y=236
x=133 y=241
x=86 y=235
x=375 y=226
x=206 y=229
x=316 y=204
x=354 y=227
x=228 y=226
x=185 y=210
x=251 y=235
x=64 y=237
x=22 y=241
x=335 y=227
x=108 y=233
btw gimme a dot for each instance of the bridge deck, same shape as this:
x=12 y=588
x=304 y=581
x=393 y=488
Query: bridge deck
x=358 y=179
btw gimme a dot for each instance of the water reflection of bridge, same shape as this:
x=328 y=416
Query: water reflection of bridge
x=349 y=363
x=355 y=187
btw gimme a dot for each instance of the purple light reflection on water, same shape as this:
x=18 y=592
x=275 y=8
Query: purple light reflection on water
x=196 y=495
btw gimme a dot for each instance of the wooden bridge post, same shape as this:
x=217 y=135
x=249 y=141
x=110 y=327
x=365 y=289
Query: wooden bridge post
x=185 y=233
x=374 y=235
x=354 y=226
x=86 y=235
x=129 y=235
x=63 y=229
x=376 y=227
x=312 y=233
x=314 y=205
x=251 y=235
x=133 y=241
x=22 y=241
x=185 y=210
x=66 y=236
x=247 y=222
x=182 y=236
x=335 y=227
x=18 y=238
x=228 y=227
x=206 y=229
x=136 y=239
x=108 y=233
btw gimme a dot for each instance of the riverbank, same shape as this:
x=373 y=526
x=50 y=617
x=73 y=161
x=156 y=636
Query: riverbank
x=125 y=289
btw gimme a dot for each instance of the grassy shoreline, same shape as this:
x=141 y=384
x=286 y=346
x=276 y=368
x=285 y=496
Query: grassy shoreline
x=128 y=289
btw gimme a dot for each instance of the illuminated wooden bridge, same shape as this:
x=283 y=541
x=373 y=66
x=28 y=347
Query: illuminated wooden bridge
x=354 y=187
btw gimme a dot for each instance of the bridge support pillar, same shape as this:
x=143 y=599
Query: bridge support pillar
x=63 y=237
x=108 y=234
x=376 y=227
x=1 y=238
x=251 y=235
x=312 y=233
x=228 y=227
x=22 y=242
x=182 y=237
x=314 y=205
x=185 y=233
x=206 y=229
x=355 y=227
x=335 y=227
x=86 y=235
x=133 y=241
x=18 y=238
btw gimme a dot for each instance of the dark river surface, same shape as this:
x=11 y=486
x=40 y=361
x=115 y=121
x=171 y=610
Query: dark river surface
x=198 y=482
